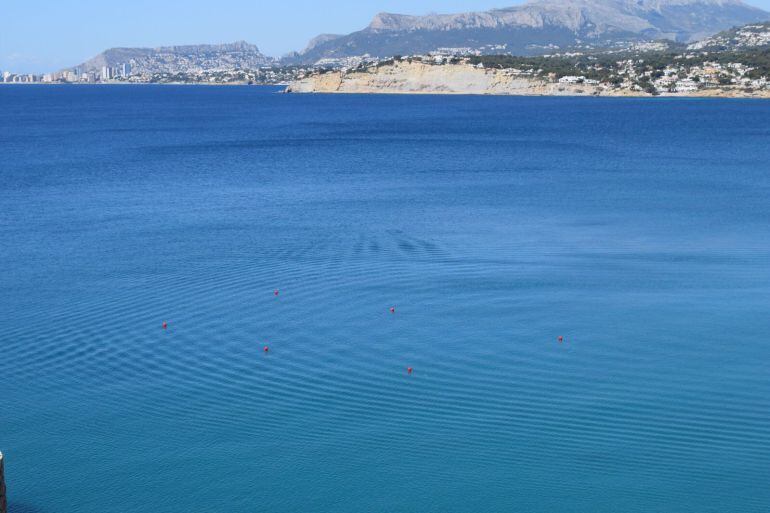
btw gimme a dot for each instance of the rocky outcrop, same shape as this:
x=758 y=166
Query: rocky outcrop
x=3 y=498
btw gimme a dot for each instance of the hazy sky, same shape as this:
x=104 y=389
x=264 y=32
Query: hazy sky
x=44 y=35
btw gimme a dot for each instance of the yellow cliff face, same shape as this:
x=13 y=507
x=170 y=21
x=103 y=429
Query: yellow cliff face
x=404 y=77
x=416 y=77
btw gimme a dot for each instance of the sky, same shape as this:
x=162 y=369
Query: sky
x=47 y=35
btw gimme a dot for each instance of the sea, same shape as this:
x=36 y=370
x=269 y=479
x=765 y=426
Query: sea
x=580 y=287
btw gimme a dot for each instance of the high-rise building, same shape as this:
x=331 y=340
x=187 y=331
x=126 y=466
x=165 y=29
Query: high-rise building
x=6 y=76
x=125 y=70
x=106 y=73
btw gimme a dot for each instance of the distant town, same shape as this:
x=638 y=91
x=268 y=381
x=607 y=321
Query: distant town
x=75 y=75
x=124 y=74
x=232 y=63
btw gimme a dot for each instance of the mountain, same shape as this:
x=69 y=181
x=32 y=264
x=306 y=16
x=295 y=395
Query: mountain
x=181 y=59
x=754 y=36
x=319 y=40
x=539 y=26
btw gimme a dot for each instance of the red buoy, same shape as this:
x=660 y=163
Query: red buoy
x=561 y=339
x=409 y=370
x=266 y=349
x=392 y=309
x=165 y=325
x=275 y=292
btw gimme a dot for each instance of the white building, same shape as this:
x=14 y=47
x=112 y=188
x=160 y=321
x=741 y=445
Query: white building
x=106 y=73
x=686 y=86
x=570 y=79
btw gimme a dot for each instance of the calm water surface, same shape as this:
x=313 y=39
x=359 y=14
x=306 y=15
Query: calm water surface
x=639 y=230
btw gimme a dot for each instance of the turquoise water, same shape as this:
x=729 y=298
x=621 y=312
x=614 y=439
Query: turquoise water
x=638 y=230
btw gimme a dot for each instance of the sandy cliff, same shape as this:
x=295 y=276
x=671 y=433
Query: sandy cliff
x=404 y=77
x=416 y=77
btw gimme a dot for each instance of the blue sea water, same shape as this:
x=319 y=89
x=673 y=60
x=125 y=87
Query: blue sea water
x=637 y=229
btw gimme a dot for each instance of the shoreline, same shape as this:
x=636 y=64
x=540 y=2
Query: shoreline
x=291 y=88
x=532 y=95
x=460 y=79
x=542 y=95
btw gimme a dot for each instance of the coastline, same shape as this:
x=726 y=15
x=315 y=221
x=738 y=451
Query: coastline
x=462 y=79
x=309 y=86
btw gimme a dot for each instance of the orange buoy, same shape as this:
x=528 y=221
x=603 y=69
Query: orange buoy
x=266 y=349
x=392 y=309
x=561 y=339
x=165 y=325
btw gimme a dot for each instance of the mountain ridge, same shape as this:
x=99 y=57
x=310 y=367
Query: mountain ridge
x=171 y=59
x=536 y=26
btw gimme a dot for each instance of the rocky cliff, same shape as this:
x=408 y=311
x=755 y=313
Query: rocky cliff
x=414 y=77
x=417 y=77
